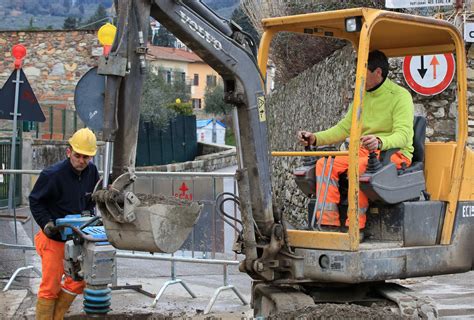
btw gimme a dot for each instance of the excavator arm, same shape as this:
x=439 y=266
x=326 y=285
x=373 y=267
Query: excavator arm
x=232 y=53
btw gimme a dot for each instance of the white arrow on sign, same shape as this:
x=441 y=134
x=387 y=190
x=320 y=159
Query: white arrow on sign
x=429 y=74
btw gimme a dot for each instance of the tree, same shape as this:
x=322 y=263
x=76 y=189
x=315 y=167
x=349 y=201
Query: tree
x=214 y=101
x=164 y=38
x=67 y=4
x=70 y=23
x=294 y=53
x=150 y=34
x=241 y=18
x=99 y=17
x=31 y=24
x=159 y=98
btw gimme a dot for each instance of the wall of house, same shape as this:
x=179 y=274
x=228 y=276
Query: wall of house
x=169 y=64
x=203 y=70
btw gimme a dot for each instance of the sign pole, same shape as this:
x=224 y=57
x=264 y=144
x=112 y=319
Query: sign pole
x=106 y=36
x=18 y=52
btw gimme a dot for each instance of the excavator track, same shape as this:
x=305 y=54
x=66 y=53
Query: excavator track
x=361 y=301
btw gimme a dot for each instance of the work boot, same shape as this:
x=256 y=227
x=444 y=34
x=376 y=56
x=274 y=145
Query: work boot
x=62 y=305
x=45 y=309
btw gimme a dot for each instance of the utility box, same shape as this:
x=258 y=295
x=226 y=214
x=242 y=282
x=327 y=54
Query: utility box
x=210 y=131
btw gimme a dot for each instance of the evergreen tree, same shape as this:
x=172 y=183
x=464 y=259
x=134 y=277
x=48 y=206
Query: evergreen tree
x=31 y=25
x=239 y=17
x=214 y=101
x=98 y=19
x=159 y=98
x=67 y=4
x=70 y=23
x=164 y=38
x=150 y=34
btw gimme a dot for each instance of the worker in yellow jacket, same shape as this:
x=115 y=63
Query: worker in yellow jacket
x=387 y=122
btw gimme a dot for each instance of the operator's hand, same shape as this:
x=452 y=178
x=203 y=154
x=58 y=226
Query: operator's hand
x=370 y=142
x=306 y=138
x=50 y=229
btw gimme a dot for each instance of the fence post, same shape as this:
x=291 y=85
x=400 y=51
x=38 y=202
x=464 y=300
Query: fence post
x=75 y=121
x=51 y=115
x=64 y=123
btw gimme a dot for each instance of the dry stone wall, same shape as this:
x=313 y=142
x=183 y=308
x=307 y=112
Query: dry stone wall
x=319 y=97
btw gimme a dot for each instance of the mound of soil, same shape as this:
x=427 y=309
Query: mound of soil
x=338 y=311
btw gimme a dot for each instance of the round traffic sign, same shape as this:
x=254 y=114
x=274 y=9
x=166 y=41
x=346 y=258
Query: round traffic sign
x=89 y=99
x=429 y=75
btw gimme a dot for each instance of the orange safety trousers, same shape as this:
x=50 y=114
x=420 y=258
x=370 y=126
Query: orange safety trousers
x=52 y=268
x=340 y=165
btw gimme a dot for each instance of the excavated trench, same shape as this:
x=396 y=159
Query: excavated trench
x=340 y=311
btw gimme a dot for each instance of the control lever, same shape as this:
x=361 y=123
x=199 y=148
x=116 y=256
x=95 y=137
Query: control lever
x=373 y=164
x=309 y=161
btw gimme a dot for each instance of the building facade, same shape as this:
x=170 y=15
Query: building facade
x=180 y=62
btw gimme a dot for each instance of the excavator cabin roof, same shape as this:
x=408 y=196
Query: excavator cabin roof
x=394 y=33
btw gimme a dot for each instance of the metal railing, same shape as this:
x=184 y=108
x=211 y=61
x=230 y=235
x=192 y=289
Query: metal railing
x=170 y=176
x=60 y=123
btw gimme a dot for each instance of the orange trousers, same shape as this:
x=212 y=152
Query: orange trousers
x=341 y=164
x=52 y=268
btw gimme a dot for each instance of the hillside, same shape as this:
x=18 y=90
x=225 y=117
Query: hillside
x=51 y=14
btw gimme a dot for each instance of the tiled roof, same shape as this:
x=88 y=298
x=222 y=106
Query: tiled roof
x=173 y=54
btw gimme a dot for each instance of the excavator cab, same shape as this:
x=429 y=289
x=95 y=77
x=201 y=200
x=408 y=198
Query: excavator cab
x=417 y=218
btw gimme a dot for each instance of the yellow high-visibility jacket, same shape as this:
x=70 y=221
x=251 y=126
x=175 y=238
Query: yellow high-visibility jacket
x=387 y=113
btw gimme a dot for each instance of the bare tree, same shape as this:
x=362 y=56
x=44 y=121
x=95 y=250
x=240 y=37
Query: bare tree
x=294 y=53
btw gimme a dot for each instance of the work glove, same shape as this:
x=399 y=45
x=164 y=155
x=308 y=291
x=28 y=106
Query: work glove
x=50 y=230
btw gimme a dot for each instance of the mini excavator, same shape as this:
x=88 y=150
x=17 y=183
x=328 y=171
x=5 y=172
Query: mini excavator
x=412 y=235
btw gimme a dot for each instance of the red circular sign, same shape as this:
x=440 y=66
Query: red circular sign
x=429 y=75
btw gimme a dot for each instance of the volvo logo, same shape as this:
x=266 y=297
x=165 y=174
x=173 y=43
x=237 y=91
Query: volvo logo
x=200 y=31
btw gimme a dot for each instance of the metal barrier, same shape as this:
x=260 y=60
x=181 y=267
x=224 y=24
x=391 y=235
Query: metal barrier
x=175 y=180
x=173 y=280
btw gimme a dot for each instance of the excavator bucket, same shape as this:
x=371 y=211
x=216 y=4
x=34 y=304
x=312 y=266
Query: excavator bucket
x=143 y=222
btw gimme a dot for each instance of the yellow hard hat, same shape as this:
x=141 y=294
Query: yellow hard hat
x=83 y=141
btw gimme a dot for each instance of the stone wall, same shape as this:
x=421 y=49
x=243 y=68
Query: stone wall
x=320 y=96
x=38 y=154
x=54 y=63
x=211 y=157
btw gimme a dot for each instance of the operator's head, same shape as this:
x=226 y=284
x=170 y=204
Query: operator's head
x=377 y=69
x=83 y=146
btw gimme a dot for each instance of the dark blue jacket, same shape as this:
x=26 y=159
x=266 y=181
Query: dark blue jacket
x=60 y=191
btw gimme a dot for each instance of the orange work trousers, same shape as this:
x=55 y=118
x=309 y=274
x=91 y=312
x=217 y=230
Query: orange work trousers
x=340 y=165
x=52 y=268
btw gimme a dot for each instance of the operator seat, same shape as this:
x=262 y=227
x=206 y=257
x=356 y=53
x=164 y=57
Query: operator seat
x=389 y=185
x=419 y=130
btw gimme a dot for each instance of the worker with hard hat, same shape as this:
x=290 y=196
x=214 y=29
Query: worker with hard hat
x=62 y=189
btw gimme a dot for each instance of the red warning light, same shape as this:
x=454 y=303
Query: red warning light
x=18 y=52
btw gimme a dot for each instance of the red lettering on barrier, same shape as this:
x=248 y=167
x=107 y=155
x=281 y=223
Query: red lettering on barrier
x=183 y=195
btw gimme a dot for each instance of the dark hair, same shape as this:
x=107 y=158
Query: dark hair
x=378 y=59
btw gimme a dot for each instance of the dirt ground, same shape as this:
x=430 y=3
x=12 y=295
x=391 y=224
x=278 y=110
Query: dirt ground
x=339 y=311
